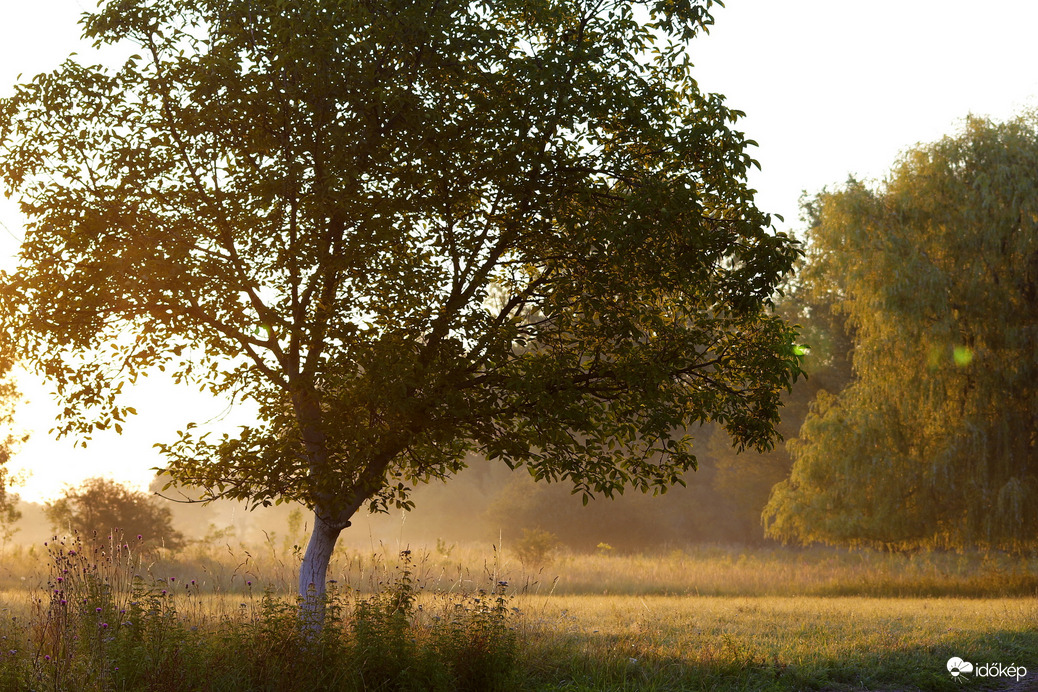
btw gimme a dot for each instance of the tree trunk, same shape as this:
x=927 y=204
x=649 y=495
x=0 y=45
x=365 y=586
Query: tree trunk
x=314 y=570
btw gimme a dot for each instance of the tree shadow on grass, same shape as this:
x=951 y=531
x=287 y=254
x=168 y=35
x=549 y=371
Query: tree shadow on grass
x=736 y=666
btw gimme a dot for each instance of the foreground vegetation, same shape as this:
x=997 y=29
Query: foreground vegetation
x=106 y=617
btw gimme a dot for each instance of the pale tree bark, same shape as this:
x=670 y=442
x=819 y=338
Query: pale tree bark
x=313 y=571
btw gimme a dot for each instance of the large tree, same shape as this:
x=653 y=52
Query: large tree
x=935 y=442
x=407 y=231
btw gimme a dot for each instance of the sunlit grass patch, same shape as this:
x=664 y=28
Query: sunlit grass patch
x=679 y=643
x=736 y=571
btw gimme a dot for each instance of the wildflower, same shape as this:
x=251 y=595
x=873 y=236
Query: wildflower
x=97 y=610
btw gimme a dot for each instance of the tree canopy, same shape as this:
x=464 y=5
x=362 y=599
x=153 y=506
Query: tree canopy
x=100 y=506
x=407 y=231
x=935 y=442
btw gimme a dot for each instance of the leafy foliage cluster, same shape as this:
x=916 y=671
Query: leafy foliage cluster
x=722 y=501
x=936 y=440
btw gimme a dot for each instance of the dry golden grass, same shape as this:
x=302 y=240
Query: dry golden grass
x=674 y=642
x=701 y=618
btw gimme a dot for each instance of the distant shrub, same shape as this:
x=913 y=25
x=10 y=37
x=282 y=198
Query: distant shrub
x=536 y=547
x=100 y=506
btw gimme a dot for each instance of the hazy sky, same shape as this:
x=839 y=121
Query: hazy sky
x=830 y=88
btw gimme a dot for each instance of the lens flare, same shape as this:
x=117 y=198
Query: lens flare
x=963 y=356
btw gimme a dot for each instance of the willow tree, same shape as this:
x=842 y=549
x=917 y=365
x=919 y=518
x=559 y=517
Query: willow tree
x=936 y=440
x=405 y=230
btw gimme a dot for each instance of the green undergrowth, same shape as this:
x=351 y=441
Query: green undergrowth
x=102 y=626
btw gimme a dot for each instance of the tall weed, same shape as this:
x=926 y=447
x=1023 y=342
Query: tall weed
x=105 y=623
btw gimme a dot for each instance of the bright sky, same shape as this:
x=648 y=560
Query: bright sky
x=830 y=89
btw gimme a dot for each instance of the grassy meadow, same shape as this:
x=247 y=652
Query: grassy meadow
x=104 y=617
